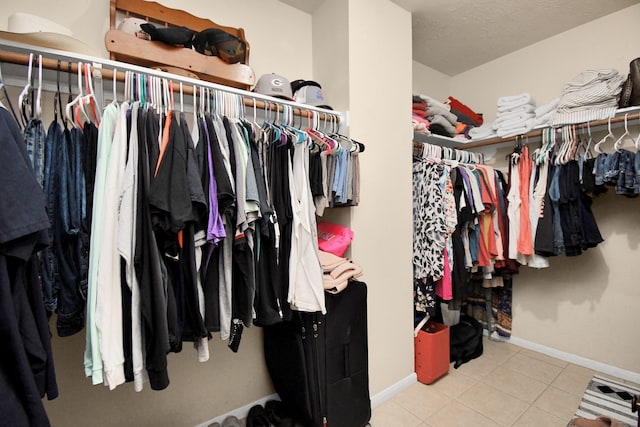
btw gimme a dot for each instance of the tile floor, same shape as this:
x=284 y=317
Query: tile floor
x=506 y=386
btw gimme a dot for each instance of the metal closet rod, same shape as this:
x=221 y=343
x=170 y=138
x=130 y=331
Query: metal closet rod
x=261 y=101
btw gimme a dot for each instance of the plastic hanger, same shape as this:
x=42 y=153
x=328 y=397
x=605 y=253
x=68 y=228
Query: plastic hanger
x=76 y=104
x=637 y=140
x=38 y=104
x=604 y=139
x=587 y=151
x=619 y=142
x=6 y=96
x=23 y=98
x=90 y=97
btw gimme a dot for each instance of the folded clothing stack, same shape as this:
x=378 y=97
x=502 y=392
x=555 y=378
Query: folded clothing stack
x=545 y=112
x=465 y=114
x=591 y=95
x=515 y=116
x=419 y=114
x=337 y=271
x=441 y=120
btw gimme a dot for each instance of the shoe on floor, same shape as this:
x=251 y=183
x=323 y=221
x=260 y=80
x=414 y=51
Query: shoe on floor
x=232 y=421
x=258 y=417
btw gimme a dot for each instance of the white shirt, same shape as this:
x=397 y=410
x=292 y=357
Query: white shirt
x=306 y=289
x=109 y=304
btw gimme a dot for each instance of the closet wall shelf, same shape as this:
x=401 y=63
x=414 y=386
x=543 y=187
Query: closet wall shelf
x=18 y=53
x=632 y=113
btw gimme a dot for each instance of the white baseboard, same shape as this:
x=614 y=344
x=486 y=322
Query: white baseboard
x=377 y=400
x=241 y=412
x=389 y=392
x=577 y=360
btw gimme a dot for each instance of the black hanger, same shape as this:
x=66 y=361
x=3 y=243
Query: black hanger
x=6 y=96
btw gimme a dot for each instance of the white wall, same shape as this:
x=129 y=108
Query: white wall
x=380 y=90
x=279 y=35
x=427 y=81
x=542 y=68
x=587 y=305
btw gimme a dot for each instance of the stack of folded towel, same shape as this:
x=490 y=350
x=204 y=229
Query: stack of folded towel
x=337 y=271
x=515 y=115
x=545 y=112
x=591 y=95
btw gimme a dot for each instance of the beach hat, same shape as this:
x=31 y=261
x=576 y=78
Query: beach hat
x=35 y=30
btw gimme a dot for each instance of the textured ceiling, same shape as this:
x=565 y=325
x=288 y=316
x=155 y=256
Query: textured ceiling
x=453 y=36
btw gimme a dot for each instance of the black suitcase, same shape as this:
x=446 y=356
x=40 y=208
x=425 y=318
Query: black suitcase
x=319 y=363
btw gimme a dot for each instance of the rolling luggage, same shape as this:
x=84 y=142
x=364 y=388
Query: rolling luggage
x=319 y=363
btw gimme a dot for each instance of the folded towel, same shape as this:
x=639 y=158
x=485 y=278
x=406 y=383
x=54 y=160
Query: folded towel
x=439 y=111
x=544 y=119
x=547 y=108
x=421 y=113
x=524 y=108
x=432 y=102
x=512 y=120
x=515 y=100
x=483 y=131
x=523 y=128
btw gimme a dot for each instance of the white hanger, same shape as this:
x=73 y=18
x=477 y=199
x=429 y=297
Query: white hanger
x=90 y=97
x=637 y=141
x=618 y=143
x=604 y=139
x=77 y=100
x=38 y=106
x=24 y=95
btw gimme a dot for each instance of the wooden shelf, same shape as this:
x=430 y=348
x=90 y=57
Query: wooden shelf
x=533 y=136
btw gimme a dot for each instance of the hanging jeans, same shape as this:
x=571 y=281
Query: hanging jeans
x=48 y=263
x=35 y=138
x=67 y=222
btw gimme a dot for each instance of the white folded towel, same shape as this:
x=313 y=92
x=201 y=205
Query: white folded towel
x=547 y=108
x=525 y=108
x=481 y=132
x=523 y=128
x=515 y=100
x=544 y=119
x=510 y=120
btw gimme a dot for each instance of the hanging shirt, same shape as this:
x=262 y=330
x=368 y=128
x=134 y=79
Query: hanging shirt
x=92 y=355
x=306 y=289
x=127 y=243
x=109 y=305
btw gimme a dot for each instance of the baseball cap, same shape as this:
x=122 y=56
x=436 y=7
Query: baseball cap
x=274 y=85
x=308 y=92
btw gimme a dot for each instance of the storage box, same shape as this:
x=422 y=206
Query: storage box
x=432 y=352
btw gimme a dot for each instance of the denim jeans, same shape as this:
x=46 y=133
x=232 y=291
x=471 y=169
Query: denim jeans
x=48 y=263
x=35 y=138
x=554 y=195
x=69 y=243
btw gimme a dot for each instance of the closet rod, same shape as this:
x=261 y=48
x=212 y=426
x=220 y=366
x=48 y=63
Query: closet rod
x=538 y=133
x=261 y=101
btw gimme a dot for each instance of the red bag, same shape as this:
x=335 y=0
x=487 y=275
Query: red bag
x=334 y=238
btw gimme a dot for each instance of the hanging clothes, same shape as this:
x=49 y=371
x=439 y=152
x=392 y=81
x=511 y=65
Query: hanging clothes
x=27 y=370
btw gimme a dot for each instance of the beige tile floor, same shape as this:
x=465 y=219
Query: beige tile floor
x=506 y=386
